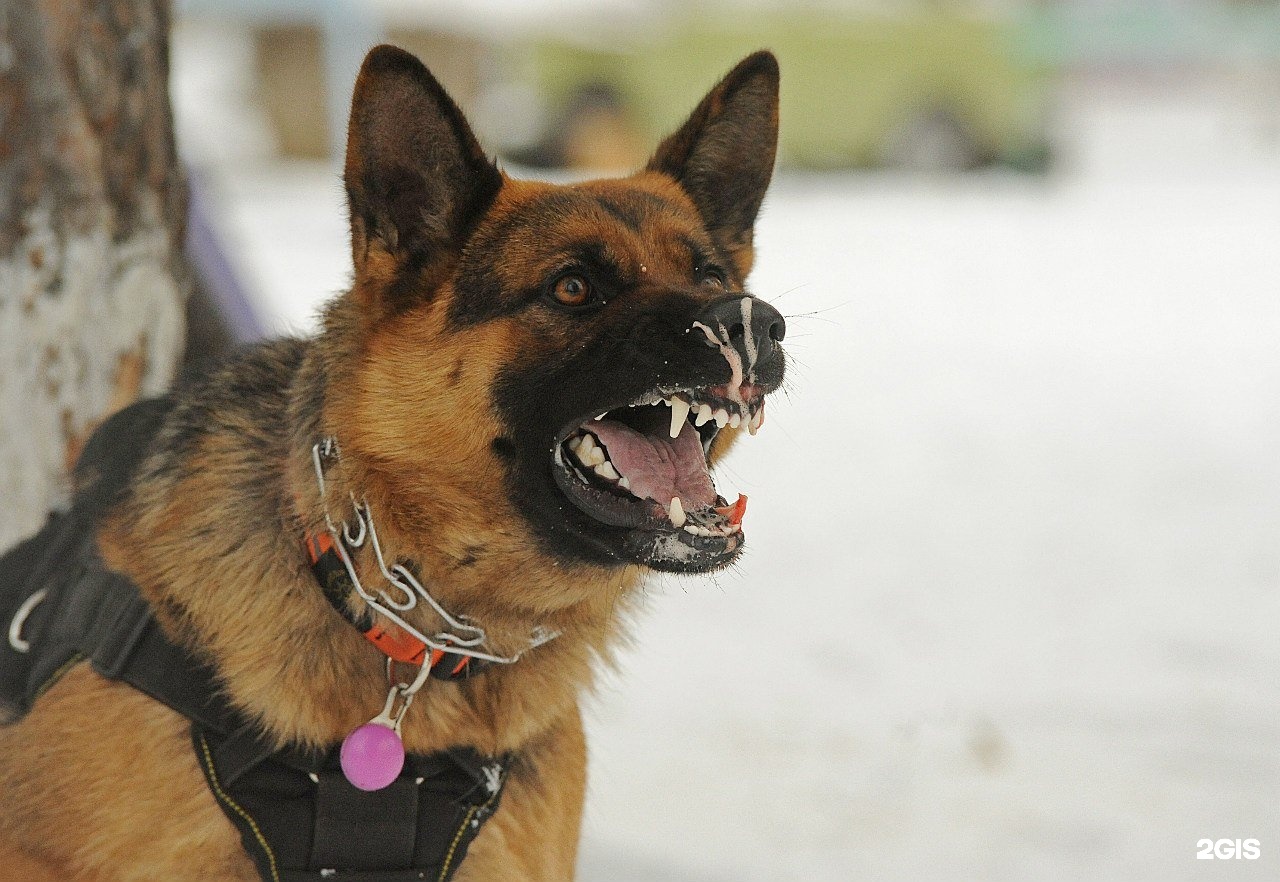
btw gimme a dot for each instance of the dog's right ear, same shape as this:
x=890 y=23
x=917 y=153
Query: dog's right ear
x=417 y=180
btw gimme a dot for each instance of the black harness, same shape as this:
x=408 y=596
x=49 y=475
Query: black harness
x=298 y=818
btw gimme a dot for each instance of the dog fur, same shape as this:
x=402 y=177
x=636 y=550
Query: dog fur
x=439 y=373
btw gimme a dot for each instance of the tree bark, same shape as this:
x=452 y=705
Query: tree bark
x=92 y=210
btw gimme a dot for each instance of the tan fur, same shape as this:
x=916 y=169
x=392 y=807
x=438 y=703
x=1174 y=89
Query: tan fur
x=249 y=602
x=100 y=783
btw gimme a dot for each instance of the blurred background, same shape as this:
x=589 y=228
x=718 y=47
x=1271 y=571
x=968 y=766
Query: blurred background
x=1009 y=609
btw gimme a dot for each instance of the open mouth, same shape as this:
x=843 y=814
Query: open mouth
x=644 y=467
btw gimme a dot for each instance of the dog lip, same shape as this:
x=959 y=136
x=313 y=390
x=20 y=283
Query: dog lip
x=680 y=552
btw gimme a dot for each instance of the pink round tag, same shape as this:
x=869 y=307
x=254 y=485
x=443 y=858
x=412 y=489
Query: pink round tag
x=372 y=756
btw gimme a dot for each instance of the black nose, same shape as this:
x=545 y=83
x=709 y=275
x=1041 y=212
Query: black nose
x=732 y=319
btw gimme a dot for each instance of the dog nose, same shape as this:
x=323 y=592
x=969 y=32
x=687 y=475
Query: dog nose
x=750 y=325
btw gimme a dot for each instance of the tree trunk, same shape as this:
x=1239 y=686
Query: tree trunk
x=92 y=208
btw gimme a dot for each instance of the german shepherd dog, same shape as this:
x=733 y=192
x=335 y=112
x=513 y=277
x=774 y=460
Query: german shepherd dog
x=521 y=392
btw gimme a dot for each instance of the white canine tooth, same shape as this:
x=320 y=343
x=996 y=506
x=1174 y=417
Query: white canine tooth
x=624 y=483
x=679 y=415
x=722 y=417
x=735 y=420
x=753 y=425
x=597 y=456
x=584 y=448
x=704 y=414
x=676 y=512
x=690 y=528
x=575 y=443
x=606 y=470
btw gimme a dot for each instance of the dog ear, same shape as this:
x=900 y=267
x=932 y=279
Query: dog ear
x=416 y=178
x=723 y=155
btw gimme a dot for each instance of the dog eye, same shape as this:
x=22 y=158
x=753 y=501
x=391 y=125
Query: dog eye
x=713 y=276
x=572 y=290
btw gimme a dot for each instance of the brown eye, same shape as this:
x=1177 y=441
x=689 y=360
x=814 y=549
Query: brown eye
x=572 y=290
x=714 y=277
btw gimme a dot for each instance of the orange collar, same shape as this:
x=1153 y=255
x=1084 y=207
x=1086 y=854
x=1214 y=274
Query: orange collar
x=395 y=643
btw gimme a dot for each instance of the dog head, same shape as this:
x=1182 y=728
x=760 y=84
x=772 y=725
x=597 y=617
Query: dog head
x=556 y=363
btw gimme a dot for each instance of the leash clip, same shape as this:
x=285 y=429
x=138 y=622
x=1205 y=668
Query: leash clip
x=405 y=692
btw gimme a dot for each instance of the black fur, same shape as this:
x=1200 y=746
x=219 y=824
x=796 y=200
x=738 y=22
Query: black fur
x=417 y=180
x=723 y=156
x=626 y=354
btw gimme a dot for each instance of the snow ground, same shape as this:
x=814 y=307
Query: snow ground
x=1009 y=609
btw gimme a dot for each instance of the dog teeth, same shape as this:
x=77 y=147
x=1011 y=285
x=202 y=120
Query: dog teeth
x=624 y=483
x=683 y=410
x=699 y=530
x=588 y=452
x=679 y=415
x=676 y=512
x=606 y=470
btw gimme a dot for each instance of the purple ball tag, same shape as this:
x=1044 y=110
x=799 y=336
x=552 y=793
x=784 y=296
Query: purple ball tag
x=372 y=756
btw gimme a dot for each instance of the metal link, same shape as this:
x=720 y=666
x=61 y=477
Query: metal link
x=473 y=645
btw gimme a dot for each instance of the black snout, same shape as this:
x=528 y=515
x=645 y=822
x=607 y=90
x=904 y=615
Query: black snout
x=733 y=318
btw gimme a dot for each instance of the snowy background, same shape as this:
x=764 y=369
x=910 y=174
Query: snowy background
x=1010 y=606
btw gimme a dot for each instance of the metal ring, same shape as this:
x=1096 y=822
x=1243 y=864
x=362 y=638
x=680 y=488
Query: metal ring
x=20 y=619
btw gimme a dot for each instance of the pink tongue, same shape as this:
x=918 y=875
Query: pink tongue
x=659 y=468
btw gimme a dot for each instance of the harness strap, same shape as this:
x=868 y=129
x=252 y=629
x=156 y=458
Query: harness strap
x=91 y=613
x=298 y=818
x=309 y=824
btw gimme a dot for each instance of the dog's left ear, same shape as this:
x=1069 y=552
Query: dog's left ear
x=723 y=155
x=416 y=178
